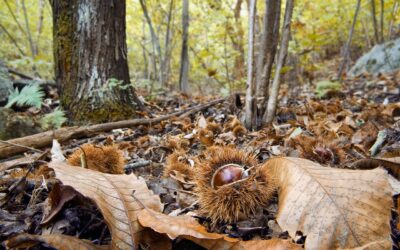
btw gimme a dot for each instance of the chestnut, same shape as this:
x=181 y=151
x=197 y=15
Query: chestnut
x=227 y=174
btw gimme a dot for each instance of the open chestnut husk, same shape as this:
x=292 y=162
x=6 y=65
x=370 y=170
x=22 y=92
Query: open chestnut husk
x=231 y=185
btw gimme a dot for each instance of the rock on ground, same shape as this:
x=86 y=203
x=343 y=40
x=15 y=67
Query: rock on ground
x=382 y=58
x=14 y=125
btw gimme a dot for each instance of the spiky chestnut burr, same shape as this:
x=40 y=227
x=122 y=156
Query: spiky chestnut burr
x=231 y=185
x=178 y=161
x=106 y=159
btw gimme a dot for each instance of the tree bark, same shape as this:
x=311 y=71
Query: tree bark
x=12 y=40
x=28 y=31
x=373 y=14
x=250 y=102
x=273 y=99
x=90 y=49
x=39 y=25
x=184 y=71
x=382 y=39
x=269 y=46
x=167 y=46
x=347 y=46
x=392 y=18
x=236 y=35
x=155 y=41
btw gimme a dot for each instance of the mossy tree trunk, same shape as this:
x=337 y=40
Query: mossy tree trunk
x=90 y=55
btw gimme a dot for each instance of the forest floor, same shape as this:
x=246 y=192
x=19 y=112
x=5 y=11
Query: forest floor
x=354 y=126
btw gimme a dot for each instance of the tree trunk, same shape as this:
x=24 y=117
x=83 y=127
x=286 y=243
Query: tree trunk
x=89 y=50
x=167 y=48
x=373 y=14
x=347 y=46
x=155 y=41
x=392 y=19
x=184 y=71
x=250 y=102
x=236 y=34
x=382 y=39
x=273 y=99
x=269 y=46
x=39 y=28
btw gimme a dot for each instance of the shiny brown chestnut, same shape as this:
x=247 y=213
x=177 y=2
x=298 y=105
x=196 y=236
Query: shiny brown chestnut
x=227 y=174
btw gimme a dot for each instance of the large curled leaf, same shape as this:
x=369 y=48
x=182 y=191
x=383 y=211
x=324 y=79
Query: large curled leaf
x=334 y=208
x=188 y=228
x=390 y=164
x=113 y=196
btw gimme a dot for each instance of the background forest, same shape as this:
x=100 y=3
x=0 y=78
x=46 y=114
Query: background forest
x=217 y=39
x=200 y=124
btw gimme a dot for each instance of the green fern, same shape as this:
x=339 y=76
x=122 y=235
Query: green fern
x=30 y=95
x=53 y=120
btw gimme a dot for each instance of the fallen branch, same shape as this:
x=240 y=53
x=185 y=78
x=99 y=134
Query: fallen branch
x=20 y=145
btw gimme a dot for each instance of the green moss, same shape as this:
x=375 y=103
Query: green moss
x=323 y=87
x=107 y=112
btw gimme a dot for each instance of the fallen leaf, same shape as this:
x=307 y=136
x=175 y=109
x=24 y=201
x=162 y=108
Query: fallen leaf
x=59 y=196
x=381 y=244
x=202 y=123
x=113 y=194
x=334 y=208
x=390 y=164
x=60 y=242
x=188 y=228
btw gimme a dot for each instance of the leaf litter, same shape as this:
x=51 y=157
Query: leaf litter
x=324 y=156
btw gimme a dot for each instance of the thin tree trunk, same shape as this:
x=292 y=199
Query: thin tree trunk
x=28 y=30
x=366 y=33
x=146 y=70
x=250 y=102
x=273 y=99
x=184 y=71
x=228 y=78
x=382 y=20
x=155 y=41
x=39 y=25
x=375 y=22
x=269 y=47
x=167 y=54
x=236 y=35
x=394 y=11
x=15 y=18
x=347 y=46
x=12 y=40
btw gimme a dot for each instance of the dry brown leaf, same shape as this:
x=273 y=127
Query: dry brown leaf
x=381 y=244
x=390 y=164
x=334 y=208
x=58 y=241
x=59 y=196
x=188 y=228
x=113 y=195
